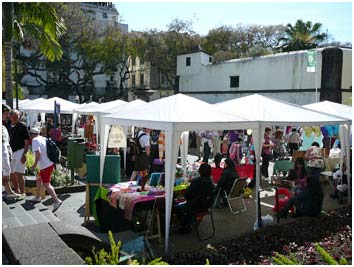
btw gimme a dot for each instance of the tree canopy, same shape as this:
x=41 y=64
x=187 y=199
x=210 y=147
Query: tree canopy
x=302 y=36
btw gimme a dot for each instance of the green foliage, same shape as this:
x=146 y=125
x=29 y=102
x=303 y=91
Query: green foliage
x=30 y=161
x=112 y=258
x=41 y=23
x=280 y=259
x=343 y=261
x=325 y=255
x=302 y=36
x=283 y=260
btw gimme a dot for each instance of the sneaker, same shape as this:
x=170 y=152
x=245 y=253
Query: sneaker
x=22 y=196
x=57 y=205
x=36 y=199
x=12 y=196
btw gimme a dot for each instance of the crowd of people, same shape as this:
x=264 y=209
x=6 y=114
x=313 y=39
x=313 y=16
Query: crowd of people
x=16 y=142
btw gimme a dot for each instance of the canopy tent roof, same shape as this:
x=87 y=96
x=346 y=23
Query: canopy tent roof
x=332 y=108
x=30 y=102
x=128 y=107
x=181 y=113
x=103 y=108
x=47 y=106
x=267 y=110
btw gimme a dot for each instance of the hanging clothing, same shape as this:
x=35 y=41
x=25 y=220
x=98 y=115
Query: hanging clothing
x=161 y=143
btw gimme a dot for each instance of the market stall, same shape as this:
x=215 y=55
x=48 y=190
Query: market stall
x=173 y=115
x=268 y=111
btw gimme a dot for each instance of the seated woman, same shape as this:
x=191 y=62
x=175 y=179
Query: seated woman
x=227 y=179
x=308 y=202
x=299 y=175
x=198 y=197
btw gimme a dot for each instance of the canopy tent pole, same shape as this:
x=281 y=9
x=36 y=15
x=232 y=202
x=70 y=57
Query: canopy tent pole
x=184 y=152
x=125 y=129
x=104 y=140
x=257 y=139
x=73 y=123
x=347 y=150
x=172 y=143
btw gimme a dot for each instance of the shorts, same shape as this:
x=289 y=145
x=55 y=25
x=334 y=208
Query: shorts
x=6 y=167
x=46 y=174
x=16 y=165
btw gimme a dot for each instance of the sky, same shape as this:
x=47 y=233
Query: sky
x=336 y=17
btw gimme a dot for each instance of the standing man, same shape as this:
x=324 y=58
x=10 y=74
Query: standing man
x=142 y=163
x=6 y=155
x=294 y=141
x=46 y=167
x=19 y=142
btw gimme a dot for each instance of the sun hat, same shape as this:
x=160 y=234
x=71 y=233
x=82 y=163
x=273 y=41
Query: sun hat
x=35 y=130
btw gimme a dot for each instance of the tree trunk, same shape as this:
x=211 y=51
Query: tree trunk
x=8 y=15
x=8 y=74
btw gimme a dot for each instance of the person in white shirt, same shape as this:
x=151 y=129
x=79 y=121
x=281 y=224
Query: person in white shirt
x=6 y=157
x=46 y=167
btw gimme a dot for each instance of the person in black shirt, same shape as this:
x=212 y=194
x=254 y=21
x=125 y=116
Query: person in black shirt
x=199 y=197
x=227 y=179
x=19 y=142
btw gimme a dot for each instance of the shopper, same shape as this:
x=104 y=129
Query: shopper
x=46 y=167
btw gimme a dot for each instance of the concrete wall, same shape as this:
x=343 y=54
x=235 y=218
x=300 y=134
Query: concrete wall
x=285 y=71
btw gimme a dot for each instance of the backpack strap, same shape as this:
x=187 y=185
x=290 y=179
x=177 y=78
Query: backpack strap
x=138 y=137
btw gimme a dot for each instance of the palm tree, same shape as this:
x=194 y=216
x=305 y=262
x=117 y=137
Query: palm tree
x=302 y=36
x=37 y=21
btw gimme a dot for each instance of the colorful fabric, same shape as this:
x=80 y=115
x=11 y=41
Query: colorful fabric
x=161 y=143
x=314 y=157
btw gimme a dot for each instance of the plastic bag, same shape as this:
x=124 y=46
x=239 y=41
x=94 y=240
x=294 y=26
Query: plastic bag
x=268 y=219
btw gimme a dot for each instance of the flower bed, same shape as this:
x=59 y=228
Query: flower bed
x=332 y=231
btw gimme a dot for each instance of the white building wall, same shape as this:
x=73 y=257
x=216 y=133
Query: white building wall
x=284 y=71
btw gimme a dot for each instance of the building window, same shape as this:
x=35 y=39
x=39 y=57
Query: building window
x=141 y=79
x=234 y=81
x=114 y=18
x=133 y=80
x=133 y=61
x=188 y=61
x=210 y=59
x=142 y=61
x=104 y=15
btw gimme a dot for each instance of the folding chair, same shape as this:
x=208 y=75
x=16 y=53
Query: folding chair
x=162 y=179
x=204 y=210
x=236 y=193
x=154 y=178
x=198 y=219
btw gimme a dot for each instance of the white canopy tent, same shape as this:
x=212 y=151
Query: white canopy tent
x=31 y=117
x=98 y=111
x=126 y=108
x=268 y=111
x=343 y=111
x=173 y=115
x=47 y=106
x=332 y=108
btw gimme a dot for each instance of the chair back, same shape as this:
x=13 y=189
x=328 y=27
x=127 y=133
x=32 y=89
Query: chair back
x=237 y=187
x=154 y=178
x=162 y=179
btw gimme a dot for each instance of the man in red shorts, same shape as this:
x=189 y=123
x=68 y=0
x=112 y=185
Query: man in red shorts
x=46 y=167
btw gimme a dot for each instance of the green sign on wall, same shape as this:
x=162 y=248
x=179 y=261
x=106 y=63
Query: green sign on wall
x=311 y=61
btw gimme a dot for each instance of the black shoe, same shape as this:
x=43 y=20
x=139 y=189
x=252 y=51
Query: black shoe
x=283 y=214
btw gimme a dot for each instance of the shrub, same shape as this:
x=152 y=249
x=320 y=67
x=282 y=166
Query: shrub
x=112 y=258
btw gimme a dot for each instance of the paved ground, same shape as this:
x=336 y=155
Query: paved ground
x=227 y=225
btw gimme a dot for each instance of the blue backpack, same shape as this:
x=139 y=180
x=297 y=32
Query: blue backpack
x=53 y=151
